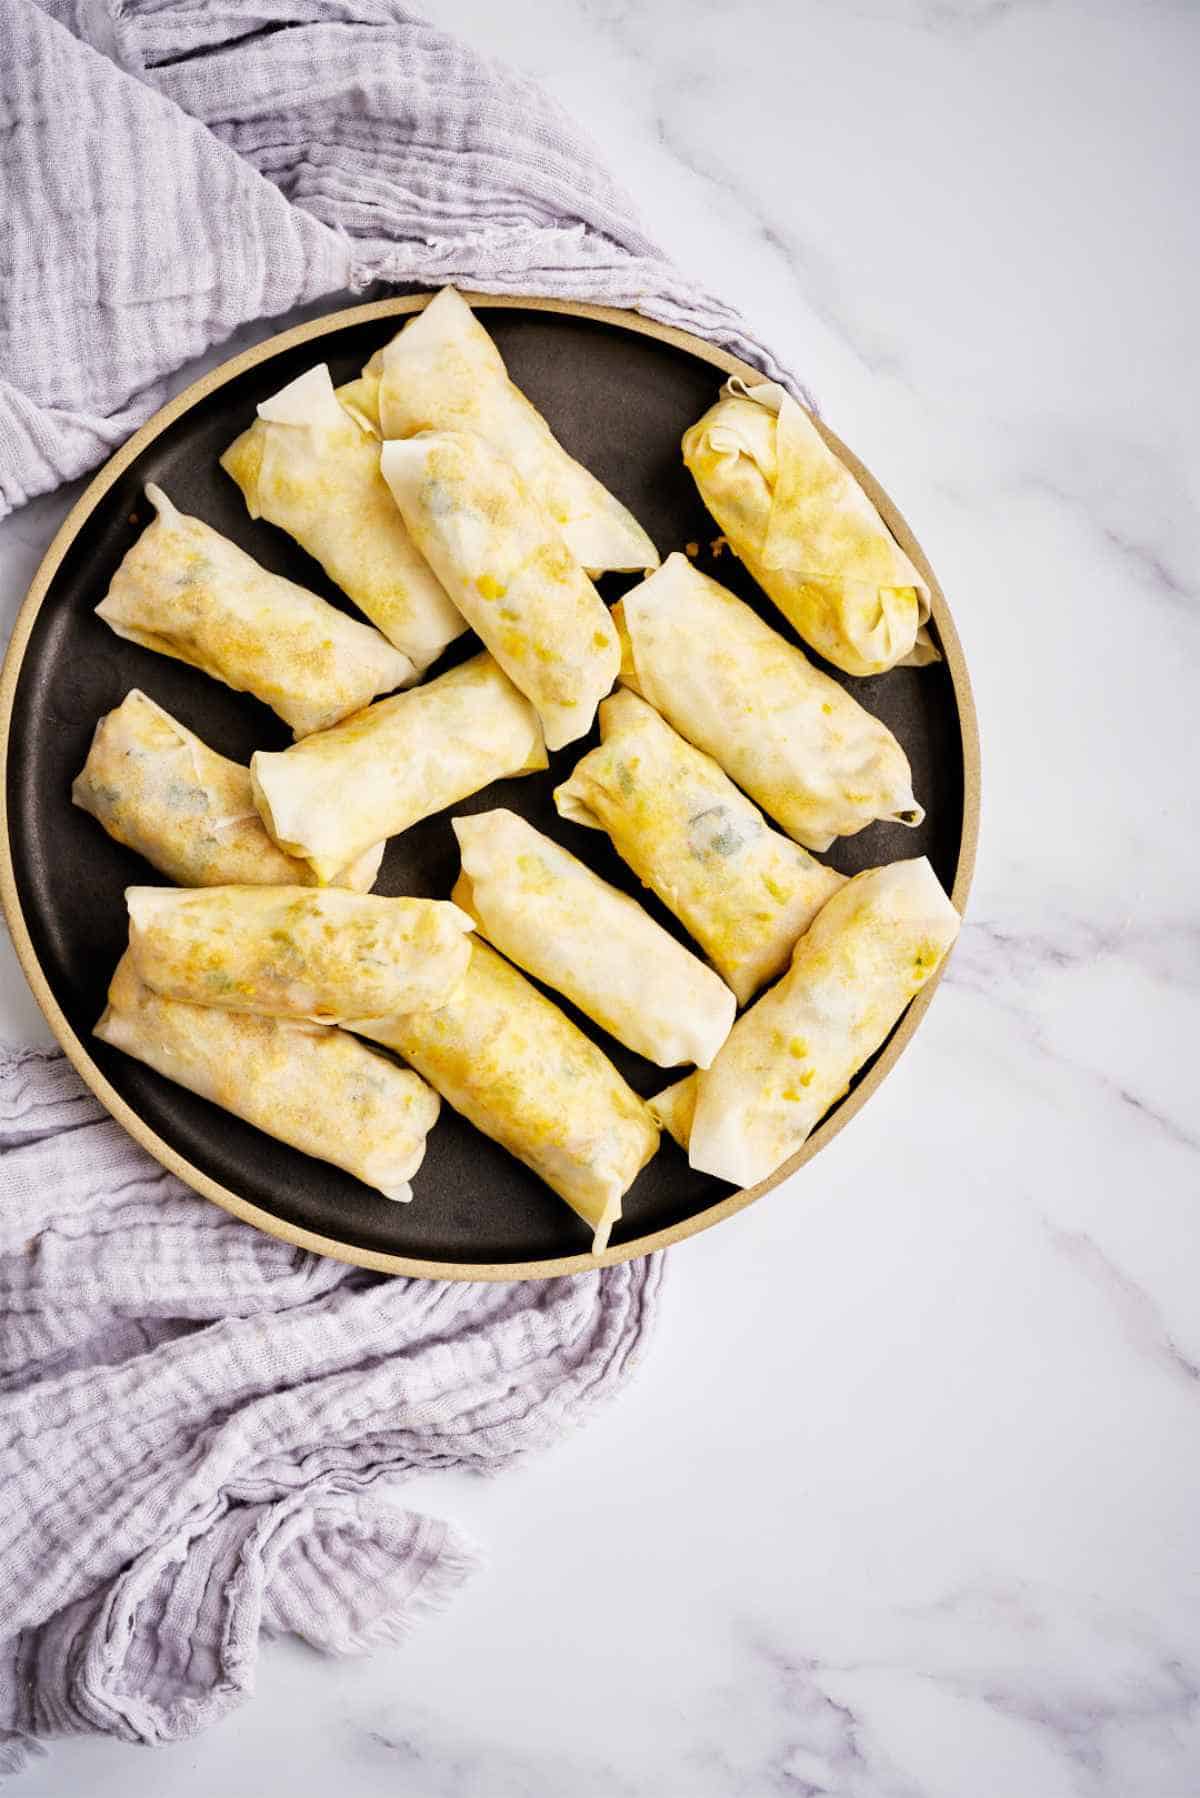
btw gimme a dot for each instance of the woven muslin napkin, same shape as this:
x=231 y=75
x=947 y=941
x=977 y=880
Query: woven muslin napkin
x=198 y=1423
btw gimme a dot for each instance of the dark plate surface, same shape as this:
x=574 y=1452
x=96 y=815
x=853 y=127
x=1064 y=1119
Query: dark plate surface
x=620 y=401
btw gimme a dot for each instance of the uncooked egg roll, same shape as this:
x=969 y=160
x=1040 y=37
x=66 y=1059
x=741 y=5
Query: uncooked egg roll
x=815 y=761
x=187 y=592
x=311 y=467
x=548 y=912
x=807 y=532
x=289 y=952
x=742 y=890
x=794 y=1053
x=524 y=1074
x=498 y=554
x=398 y=761
x=318 y=1090
x=158 y=789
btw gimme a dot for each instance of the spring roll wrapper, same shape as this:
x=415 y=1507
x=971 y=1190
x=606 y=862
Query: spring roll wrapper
x=187 y=592
x=743 y=891
x=513 y=1064
x=807 y=532
x=545 y=910
x=318 y=1090
x=809 y=754
x=290 y=952
x=397 y=762
x=311 y=467
x=155 y=787
x=794 y=1053
x=675 y=1107
x=443 y=372
x=498 y=554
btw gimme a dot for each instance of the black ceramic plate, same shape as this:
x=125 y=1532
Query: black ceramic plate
x=619 y=393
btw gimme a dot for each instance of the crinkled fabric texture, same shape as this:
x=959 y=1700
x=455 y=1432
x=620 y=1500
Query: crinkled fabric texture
x=170 y=169
x=197 y=1423
x=201 y=1428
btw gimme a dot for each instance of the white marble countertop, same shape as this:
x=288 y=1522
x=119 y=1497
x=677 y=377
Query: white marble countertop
x=903 y=1503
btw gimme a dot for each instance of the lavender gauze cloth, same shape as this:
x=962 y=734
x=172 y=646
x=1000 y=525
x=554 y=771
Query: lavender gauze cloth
x=200 y=1427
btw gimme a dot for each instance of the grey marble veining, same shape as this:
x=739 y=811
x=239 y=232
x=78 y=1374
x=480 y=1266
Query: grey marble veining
x=904 y=1502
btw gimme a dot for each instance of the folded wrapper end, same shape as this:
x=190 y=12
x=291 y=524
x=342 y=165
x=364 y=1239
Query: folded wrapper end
x=166 y=508
x=306 y=401
x=81 y=786
x=360 y=872
x=570 y=805
x=242 y=462
x=185 y=743
x=537 y=760
x=360 y=397
x=399 y=1194
x=398 y=453
x=640 y=555
x=144 y=904
x=763 y=393
x=324 y=873
x=909 y=815
x=264 y=809
x=183 y=738
x=924 y=651
x=604 y=1224
x=779 y=402
x=675 y=1107
x=359 y=408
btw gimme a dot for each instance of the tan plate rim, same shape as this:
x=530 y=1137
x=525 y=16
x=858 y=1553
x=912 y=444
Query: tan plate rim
x=77 y=1051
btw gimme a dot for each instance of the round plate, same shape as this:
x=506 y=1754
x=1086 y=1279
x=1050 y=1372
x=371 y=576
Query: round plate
x=619 y=392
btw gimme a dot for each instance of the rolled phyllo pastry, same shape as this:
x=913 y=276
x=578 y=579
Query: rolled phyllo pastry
x=443 y=372
x=815 y=761
x=402 y=759
x=794 y=1053
x=290 y=952
x=158 y=789
x=190 y=593
x=495 y=548
x=318 y=1090
x=807 y=532
x=742 y=890
x=312 y=468
x=550 y=914
x=509 y=1060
